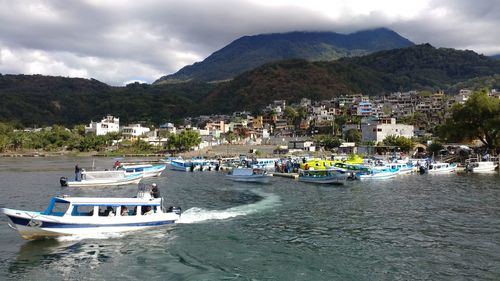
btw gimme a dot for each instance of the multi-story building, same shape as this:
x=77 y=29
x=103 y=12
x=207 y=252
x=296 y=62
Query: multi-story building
x=378 y=129
x=108 y=124
x=134 y=131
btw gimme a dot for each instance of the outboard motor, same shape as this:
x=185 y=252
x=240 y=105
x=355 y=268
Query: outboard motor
x=176 y=210
x=422 y=170
x=63 y=181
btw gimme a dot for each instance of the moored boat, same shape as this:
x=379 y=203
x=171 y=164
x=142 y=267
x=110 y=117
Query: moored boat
x=441 y=167
x=248 y=175
x=378 y=173
x=326 y=176
x=180 y=165
x=148 y=170
x=92 y=215
x=481 y=166
x=103 y=178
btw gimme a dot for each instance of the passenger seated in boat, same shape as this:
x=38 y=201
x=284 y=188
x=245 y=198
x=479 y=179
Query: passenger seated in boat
x=147 y=210
x=109 y=212
x=124 y=211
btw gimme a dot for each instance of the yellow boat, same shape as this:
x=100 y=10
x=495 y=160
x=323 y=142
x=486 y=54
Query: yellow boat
x=322 y=164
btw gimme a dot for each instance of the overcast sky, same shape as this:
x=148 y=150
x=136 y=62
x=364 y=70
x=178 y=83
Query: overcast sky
x=126 y=40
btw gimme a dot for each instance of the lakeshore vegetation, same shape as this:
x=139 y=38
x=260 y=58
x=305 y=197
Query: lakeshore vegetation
x=58 y=138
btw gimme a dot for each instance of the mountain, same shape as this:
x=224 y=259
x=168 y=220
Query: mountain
x=45 y=100
x=496 y=57
x=249 y=52
x=418 y=67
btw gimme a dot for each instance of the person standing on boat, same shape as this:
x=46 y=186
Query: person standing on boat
x=155 y=192
x=77 y=172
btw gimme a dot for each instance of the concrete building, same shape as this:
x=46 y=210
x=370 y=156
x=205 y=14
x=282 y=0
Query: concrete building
x=134 y=131
x=378 y=129
x=108 y=124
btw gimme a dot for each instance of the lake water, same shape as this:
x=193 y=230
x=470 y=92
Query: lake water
x=414 y=227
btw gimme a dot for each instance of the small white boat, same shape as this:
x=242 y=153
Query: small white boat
x=327 y=176
x=248 y=175
x=149 y=170
x=103 y=178
x=441 y=167
x=89 y=215
x=481 y=167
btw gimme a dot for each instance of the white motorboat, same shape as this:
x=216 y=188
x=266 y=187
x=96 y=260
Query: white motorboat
x=326 y=176
x=90 y=215
x=103 y=178
x=482 y=167
x=441 y=167
x=149 y=170
x=248 y=175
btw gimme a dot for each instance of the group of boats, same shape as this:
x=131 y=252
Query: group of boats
x=66 y=215
x=338 y=171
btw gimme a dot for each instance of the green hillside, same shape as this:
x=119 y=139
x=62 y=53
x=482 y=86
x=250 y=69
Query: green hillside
x=43 y=100
x=249 y=52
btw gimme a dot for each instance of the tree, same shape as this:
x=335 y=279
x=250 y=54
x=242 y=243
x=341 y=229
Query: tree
x=184 y=141
x=353 y=135
x=405 y=144
x=328 y=142
x=434 y=148
x=477 y=118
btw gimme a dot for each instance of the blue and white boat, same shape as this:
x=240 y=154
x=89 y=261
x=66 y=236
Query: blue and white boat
x=148 y=170
x=90 y=215
x=249 y=175
x=326 y=176
x=103 y=178
x=181 y=165
x=263 y=163
x=378 y=173
x=403 y=168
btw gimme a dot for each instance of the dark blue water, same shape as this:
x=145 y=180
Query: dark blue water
x=431 y=227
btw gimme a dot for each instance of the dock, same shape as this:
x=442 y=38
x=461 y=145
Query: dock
x=286 y=175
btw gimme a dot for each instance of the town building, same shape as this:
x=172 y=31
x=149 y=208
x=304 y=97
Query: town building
x=134 y=131
x=108 y=124
x=377 y=129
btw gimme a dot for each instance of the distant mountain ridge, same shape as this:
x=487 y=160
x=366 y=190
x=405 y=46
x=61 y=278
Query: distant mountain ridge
x=249 y=52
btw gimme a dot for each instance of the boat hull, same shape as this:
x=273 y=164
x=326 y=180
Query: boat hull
x=333 y=180
x=257 y=179
x=84 y=183
x=378 y=176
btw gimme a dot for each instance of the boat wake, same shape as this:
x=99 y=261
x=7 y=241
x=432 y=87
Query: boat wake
x=90 y=236
x=195 y=215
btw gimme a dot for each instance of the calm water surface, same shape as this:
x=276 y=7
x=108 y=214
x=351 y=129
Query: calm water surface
x=431 y=227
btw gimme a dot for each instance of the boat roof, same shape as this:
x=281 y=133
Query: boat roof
x=105 y=200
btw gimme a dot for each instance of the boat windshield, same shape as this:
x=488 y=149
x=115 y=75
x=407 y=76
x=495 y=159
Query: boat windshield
x=57 y=207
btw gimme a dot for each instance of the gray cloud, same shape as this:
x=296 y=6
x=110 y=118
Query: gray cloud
x=118 y=41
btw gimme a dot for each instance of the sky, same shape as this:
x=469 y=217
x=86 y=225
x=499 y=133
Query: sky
x=122 y=41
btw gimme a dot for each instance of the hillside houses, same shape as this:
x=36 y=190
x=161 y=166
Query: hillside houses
x=406 y=114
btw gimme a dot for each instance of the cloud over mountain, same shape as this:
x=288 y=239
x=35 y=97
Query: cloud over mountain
x=118 y=41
